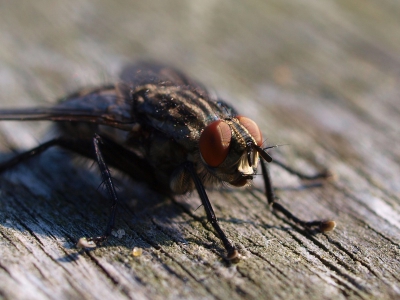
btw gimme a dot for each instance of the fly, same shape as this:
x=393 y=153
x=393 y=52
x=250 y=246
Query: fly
x=161 y=127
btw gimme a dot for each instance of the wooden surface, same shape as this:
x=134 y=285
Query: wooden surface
x=321 y=76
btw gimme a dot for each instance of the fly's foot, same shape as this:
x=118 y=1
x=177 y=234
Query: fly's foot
x=323 y=226
x=233 y=256
x=85 y=243
x=91 y=242
x=326 y=175
x=326 y=226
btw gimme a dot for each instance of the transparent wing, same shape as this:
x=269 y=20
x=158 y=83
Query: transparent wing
x=108 y=105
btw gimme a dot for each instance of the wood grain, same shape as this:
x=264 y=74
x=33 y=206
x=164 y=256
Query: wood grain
x=322 y=77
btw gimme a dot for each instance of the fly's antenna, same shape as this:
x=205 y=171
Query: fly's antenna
x=274 y=146
x=263 y=153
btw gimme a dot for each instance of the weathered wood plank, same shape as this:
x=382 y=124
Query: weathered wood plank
x=322 y=77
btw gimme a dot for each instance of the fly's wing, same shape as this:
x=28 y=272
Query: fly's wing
x=108 y=105
x=144 y=73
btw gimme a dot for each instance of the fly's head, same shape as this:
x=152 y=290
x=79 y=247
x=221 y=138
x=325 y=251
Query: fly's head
x=230 y=149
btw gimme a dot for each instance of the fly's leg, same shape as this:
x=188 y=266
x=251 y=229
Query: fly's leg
x=321 y=175
x=107 y=180
x=232 y=251
x=28 y=154
x=322 y=225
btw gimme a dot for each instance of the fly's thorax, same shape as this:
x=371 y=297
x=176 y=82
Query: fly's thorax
x=228 y=149
x=179 y=111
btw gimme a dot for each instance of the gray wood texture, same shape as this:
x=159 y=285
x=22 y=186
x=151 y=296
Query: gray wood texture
x=320 y=76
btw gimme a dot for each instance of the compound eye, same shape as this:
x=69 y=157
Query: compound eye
x=214 y=143
x=252 y=128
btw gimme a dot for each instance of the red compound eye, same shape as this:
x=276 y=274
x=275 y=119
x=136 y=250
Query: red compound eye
x=252 y=128
x=214 y=143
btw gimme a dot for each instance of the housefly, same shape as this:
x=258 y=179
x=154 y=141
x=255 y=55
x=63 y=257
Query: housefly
x=161 y=127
